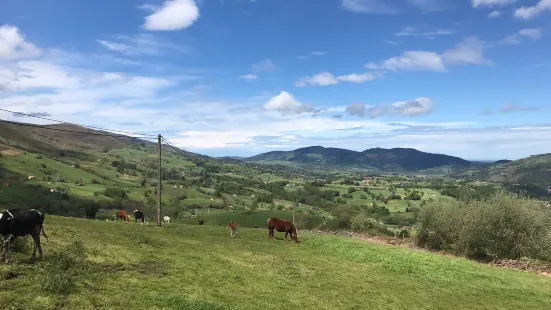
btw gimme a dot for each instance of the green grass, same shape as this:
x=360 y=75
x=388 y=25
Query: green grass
x=200 y=267
x=251 y=218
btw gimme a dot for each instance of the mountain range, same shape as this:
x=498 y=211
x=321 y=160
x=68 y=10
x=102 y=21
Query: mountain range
x=394 y=159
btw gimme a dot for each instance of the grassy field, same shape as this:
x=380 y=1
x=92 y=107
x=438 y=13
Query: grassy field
x=128 y=266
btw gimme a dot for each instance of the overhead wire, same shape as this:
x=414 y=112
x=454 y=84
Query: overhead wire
x=180 y=151
x=85 y=126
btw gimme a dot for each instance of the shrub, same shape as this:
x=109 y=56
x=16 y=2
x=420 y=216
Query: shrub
x=43 y=165
x=351 y=190
x=504 y=226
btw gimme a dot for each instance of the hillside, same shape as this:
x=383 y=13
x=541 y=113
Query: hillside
x=200 y=267
x=390 y=160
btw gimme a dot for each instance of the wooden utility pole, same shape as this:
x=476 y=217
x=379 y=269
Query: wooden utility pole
x=294 y=207
x=159 y=182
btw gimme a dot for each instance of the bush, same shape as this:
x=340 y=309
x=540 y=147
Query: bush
x=351 y=190
x=43 y=165
x=363 y=224
x=504 y=226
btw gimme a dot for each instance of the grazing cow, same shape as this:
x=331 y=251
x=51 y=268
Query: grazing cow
x=121 y=215
x=166 y=218
x=138 y=215
x=91 y=212
x=234 y=232
x=282 y=226
x=19 y=223
x=201 y=222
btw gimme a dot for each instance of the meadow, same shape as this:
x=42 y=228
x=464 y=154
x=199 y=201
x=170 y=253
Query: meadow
x=177 y=266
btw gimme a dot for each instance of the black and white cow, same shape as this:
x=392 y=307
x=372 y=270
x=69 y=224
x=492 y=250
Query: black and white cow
x=19 y=223
x=138 y=215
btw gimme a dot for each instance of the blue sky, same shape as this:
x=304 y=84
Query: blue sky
x=238 y=77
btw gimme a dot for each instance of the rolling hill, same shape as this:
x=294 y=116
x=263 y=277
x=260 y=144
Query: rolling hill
x=395 y=159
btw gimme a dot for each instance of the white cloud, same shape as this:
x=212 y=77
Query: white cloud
x=265 y=65
x=142 y=44
x=249 y=77
x=321 y=79
x=356 y=78
x=173 y=15
x=532 y=11
x=494 y=14
x=491 y=3
x=412 y=31
x=327 y=78
x=516 y=38
x=411 y=60
x=13 y=45
x=405 y=108
x=470 y=51
x=319 y=53
x=368 y=6
x=286 y=104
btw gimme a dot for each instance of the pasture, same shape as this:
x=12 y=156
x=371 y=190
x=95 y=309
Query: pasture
x=177 y=266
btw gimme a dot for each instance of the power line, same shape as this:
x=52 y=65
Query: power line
x=195 y=161
x=65 y=130
x=85 y=126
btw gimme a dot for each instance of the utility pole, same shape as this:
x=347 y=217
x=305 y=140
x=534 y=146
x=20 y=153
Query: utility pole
x=159 y=184
x=294 y=207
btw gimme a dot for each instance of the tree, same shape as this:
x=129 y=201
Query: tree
x=351 y=190
x=254 y=205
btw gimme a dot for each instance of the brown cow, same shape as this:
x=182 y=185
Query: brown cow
x=121 y=215
x=233 y=226
x=282 y=226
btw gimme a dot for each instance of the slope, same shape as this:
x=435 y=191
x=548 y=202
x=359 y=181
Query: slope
x=200 y=267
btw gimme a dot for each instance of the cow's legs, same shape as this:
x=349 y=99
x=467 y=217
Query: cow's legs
x=7 y=248
x=36 y=239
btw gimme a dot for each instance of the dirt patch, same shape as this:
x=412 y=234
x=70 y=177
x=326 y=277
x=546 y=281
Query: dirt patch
x=523 y=264
x=8 y=152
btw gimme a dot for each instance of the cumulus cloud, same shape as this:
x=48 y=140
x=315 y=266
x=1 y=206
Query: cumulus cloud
x=265 y=65
x=491 y=3
x=322 y=79
x=326 y=78
x=469 y=51
x=249 y=77
x=533 y=11
x=411 y=60
x=13 y=45
x=516 y=38
x=172 y=15
x=494 y=14
x=405 y=108
x=286 y=104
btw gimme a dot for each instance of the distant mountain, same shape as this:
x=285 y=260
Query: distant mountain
x=395 y=159
x=535 y=169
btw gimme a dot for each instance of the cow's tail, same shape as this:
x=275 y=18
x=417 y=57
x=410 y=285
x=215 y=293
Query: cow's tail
x=42 y=228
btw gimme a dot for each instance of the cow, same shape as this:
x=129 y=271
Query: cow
x=201 y=222
x=138 y=215
x=19 y=223
x=233 y=226
x=282 y=226
x=121 y=215
x=91 y=212
x=166 y=218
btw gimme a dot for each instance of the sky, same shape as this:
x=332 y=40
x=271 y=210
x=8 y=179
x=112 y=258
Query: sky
x=468 y=78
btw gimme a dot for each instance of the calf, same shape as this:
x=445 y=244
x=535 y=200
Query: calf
x=91 y=212
x=121 y=215
x=19 y=223
x=234 y=232
x=138 y=215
